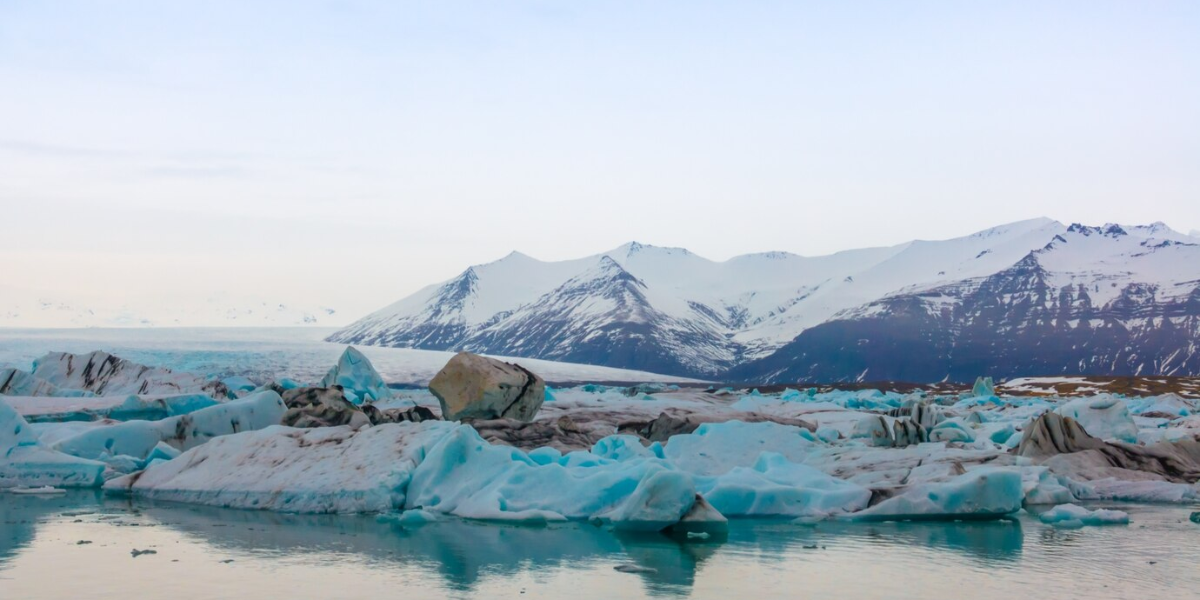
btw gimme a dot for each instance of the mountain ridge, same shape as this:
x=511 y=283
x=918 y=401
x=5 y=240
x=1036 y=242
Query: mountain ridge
x=670 y=310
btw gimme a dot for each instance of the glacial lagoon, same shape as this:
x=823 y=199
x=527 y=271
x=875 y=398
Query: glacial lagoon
x=79 y=545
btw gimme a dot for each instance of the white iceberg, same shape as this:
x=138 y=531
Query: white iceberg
x=321 y=470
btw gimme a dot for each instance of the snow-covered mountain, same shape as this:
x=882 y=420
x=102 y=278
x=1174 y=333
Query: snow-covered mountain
x=668 y=310
x=1106 y=300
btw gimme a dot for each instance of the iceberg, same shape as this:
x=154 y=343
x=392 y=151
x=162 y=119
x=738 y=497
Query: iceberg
x=102 y=373
x=1105 y=417
x=358 y=378
x=776 y=487
x=952 y=430
x=1073 y=515
x=465 y=476
x=139 y=438
x=321 y=470
x=984 y=493
x=15 y=382
x=716 y=448
x=26 y=462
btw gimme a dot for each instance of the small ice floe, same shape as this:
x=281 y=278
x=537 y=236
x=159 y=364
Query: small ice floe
x=1071 y=516
x=630 y=568
x=45 y=490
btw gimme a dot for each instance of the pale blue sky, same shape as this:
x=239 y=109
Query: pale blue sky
x=352 y=152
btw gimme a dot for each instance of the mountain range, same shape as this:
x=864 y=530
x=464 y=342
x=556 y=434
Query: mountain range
x=1034 y=297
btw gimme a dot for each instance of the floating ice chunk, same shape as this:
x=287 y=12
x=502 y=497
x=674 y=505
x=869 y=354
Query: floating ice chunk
x=984 y=386
x=702 y=520
x=289 y=384
x=120 y=465
x=238 y=383
x=409 y=518
x=321 y=470
x=545 y=455
x=715 y=448
x=103 y=373
x=1003 y=434
x=139 y=438
x=952 y=430
x=659 y=501
x=1171 y=404
x=1105 y=417
x=984 y=493
x=162 y=451
x=14 y=431
x=463 y=475
x=25 y=462
x=15 y=382
x=1044 y=487
x=874 y=430
x=790 y=395
x=778 y=487
x=1120 y=490
x=621 y=447
x=38 y=409
x=828 y=435
x=1073 y=515
x=358 y=378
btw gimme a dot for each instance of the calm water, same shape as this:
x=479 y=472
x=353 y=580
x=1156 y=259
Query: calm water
x=218 y=553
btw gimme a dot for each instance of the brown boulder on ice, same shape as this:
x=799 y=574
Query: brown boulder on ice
x=471 y=386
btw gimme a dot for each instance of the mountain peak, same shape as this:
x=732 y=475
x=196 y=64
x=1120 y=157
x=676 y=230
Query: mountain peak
x=636 y=248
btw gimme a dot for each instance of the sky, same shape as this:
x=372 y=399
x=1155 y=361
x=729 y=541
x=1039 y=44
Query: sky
x=348 y=153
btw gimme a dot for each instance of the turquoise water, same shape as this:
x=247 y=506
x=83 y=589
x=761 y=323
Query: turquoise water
x=204 y=552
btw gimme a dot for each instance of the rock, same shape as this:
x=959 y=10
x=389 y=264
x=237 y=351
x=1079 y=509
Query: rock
x=321 y=407
x=672 y=422
x=415 y=414
x=1067 y=448
x=1053 y=434
x=471 y=386
x=562 y=434
x=355 y=373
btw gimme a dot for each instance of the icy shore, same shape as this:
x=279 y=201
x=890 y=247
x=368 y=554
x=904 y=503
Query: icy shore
x=643 y=458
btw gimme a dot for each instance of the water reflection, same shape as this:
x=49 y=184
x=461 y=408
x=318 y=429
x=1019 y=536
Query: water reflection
x=463 y=553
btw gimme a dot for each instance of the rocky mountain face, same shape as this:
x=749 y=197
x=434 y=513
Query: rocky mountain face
x=1034 y=297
